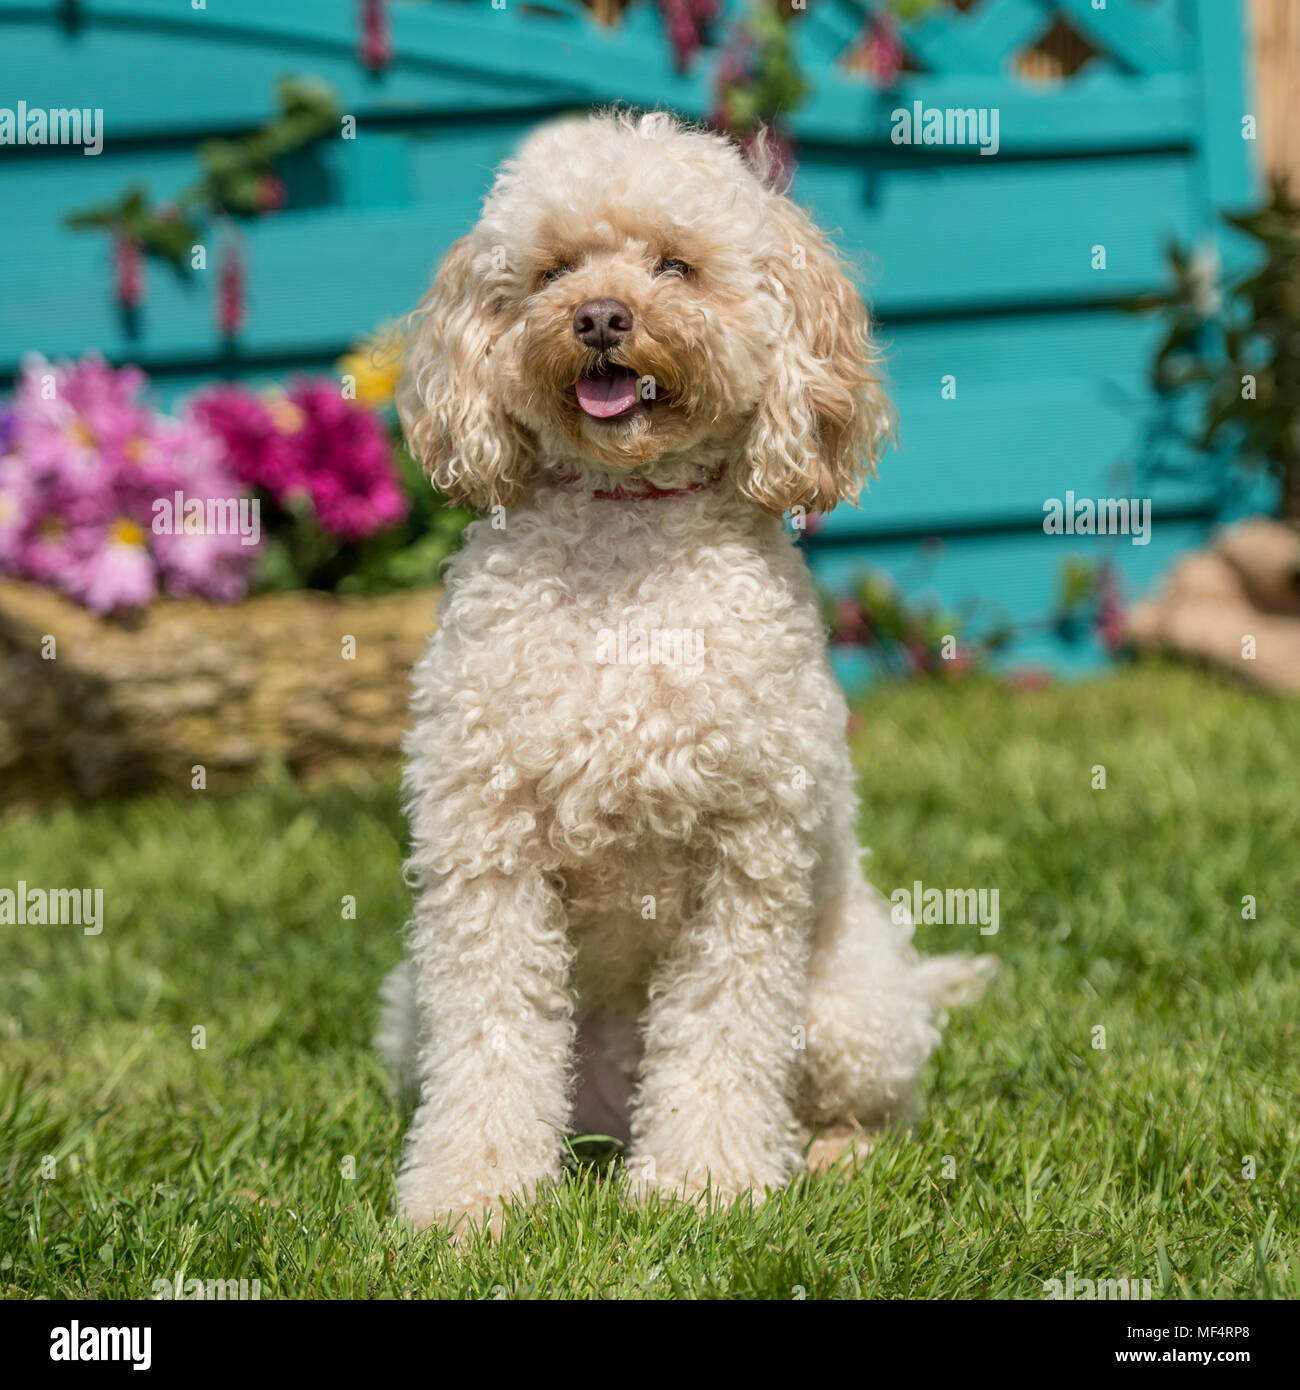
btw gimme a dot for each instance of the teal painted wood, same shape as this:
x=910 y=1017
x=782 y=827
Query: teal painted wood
x=980 y=269
x=1026 y=241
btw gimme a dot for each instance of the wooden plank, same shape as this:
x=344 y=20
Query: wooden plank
x=993 y=457
x=202 y=83
x=315 y=280
x=1145 y=37
x=945 y=42
x=1231 y=175
x=983 y=234
x=1097 y=111
x=982 y=39
x=1275 y=40
x=218 y=74
x=1011 y=235
x=511 y=44
x=827 y=30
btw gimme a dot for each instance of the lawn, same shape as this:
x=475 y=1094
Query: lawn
x=268 y=1153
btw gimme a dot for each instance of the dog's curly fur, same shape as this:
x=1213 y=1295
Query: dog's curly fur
x=640 y=902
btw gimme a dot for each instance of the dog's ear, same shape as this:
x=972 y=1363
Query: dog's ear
x=449 y=395
x=824 y=418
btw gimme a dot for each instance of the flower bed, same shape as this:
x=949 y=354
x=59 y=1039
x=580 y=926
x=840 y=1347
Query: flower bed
x=116 y=504
x=248 y=578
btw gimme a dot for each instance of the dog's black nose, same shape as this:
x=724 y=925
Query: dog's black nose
x=600 y=323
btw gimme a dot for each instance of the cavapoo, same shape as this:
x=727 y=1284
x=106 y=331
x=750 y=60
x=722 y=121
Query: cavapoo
x=640 y=903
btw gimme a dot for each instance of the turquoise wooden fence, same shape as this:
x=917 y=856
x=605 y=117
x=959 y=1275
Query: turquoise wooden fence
x=981 y=269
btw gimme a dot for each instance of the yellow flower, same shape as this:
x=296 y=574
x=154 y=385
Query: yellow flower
x=127 y=533
x=374 y=365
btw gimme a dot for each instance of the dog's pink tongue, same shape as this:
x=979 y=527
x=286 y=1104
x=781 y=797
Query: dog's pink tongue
x=608 y=395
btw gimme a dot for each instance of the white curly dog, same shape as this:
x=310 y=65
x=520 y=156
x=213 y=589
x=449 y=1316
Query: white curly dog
x=640 y=903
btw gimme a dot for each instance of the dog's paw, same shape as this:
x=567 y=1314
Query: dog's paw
x=700 y=1186
x=427 y=1203
x=830 y=1144
x=458 y=1223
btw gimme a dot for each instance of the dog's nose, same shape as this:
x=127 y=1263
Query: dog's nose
x=600 y=323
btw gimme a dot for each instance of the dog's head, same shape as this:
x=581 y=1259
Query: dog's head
x=633 y=294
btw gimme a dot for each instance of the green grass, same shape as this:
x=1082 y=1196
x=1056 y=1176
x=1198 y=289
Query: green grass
x=1119 y=909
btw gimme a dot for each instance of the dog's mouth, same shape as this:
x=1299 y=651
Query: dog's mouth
x=608 y=394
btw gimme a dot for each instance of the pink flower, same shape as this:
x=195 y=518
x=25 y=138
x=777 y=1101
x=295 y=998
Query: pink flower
x=686 y=22
x=17 y=503
x=79 y=490
x=312 y=443
x=128 y=271
x=117 y=570
x=1029 y=678
x=849 y=625
x=1110 y=621
x=204 y=564
x=883 y=52
x=256 y=444
x=344 y=463
x=76 y=421
x=271 y=193
x=48 y=551
x=208 y=557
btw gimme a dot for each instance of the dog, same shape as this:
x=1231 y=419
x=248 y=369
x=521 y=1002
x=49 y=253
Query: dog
x=640 y=904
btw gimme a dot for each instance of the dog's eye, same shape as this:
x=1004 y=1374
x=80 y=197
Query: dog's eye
x=670 y=265
x=549 y=276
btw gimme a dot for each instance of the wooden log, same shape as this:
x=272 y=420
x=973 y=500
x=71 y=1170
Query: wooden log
x=92 y=707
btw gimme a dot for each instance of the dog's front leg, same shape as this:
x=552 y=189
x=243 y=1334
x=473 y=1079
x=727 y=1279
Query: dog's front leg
x=491 y=959
x=721 y=1033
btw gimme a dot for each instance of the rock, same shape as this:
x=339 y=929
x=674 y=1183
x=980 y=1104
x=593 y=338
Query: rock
x=1266 y=556
x=123 y=706
x=1206 y=577
x=1235 y=606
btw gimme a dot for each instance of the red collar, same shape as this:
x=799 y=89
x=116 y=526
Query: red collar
x=648 y=492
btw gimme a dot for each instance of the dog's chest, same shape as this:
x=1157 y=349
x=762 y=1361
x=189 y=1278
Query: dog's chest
x=633 y=677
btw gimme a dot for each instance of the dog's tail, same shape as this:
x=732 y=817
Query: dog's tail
x=945 y=982
x=398 y=1037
